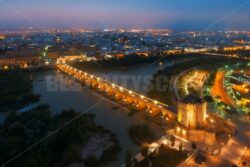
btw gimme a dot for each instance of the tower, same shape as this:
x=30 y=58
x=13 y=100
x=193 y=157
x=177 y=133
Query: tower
x=192 y=112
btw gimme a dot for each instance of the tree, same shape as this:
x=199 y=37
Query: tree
x=172 y=139
x=19 y=131
x=128 y=158
x=194 y=146
x=144 y=151
x=180 y=147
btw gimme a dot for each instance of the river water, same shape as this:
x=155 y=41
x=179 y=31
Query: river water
x=62 y=92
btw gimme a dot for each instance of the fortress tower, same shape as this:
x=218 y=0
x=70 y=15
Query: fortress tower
x=192 y=112
x=192 y=121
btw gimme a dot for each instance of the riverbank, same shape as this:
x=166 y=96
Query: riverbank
x=167 y=95
x=31 y=68
x=67 y=93
x=16 y=91
x=58 y=140
x=73 y=132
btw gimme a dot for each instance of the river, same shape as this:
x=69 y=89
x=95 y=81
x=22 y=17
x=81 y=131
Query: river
x=62 y=92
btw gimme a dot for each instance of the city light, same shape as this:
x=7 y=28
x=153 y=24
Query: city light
x=165 y=142
x=180 y=95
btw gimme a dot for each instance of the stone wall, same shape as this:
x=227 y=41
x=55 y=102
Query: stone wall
x=201 y=136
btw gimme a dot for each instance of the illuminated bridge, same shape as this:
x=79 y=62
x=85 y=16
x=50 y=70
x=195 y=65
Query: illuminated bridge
x=122 y=95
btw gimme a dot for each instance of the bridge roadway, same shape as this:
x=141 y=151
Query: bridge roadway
x=122 y=95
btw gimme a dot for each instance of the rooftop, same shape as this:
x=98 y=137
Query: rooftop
x=192 y=99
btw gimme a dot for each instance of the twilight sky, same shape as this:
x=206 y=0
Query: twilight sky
x=173 y=14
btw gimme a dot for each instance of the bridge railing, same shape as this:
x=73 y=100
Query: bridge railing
x=73 y=71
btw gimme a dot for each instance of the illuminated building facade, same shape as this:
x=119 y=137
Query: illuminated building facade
x=192 y=112
x=21 y=57
x=192 y=121
x=2 y=37
x=62 y=50
x=21 y=60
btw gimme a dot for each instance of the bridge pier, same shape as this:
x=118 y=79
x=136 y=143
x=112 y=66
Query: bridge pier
x=131 y=99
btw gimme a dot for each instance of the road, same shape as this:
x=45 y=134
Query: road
x=175 y=84
x=237 y=149
x=218 y=90
x=211 y=161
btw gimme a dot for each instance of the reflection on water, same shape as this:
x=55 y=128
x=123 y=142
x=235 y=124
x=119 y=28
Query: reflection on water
x=83 y=100
x=136 y=78
x=62 y=92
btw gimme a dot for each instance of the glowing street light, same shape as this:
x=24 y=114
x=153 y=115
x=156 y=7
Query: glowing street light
x=165 y=142
x=184 y=132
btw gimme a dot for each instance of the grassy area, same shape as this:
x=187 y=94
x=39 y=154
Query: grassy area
x=125 y=61
x=166 y=95
x=130 y=60
x=58 y=149
x=16 y=91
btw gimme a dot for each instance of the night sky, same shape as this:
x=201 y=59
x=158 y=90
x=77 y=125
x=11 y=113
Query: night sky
x=172 y=14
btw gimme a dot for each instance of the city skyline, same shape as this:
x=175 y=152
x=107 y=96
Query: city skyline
x=176 y=15
x=134 y=83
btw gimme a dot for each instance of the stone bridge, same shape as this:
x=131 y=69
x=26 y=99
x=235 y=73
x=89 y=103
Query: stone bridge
x=122 y=95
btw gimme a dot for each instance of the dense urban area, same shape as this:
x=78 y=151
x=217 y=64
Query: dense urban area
x=158 y=97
